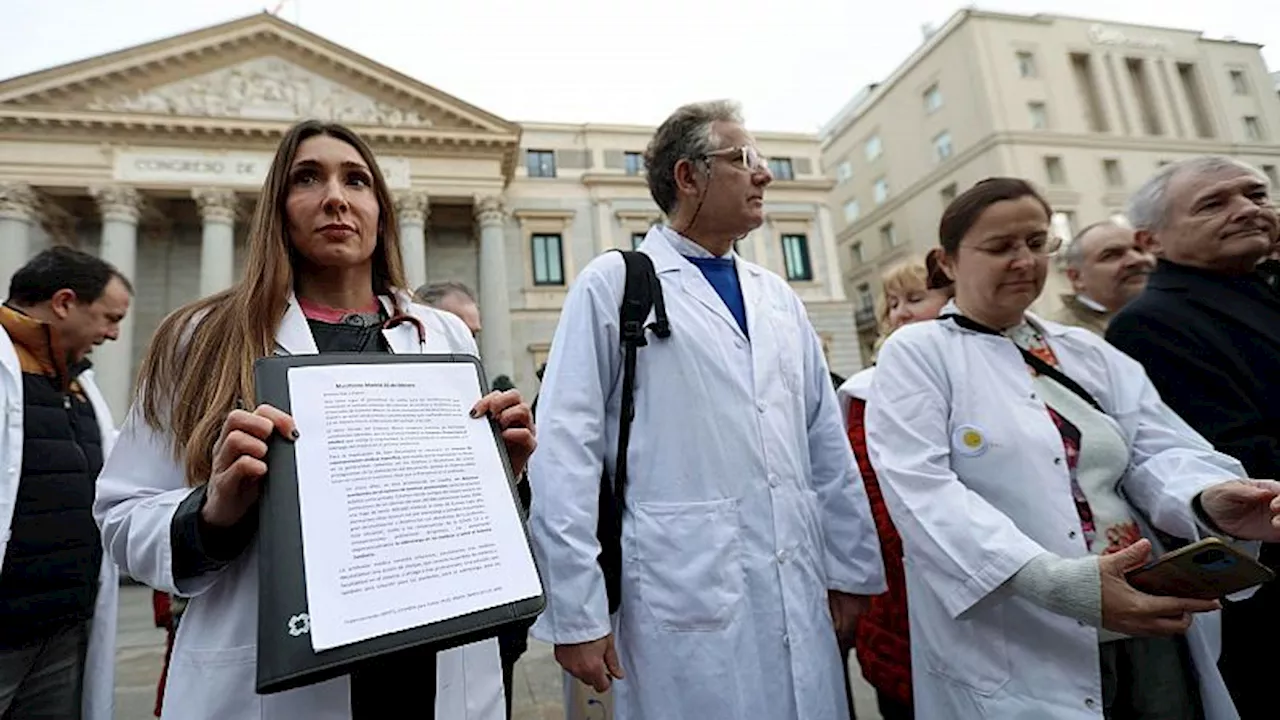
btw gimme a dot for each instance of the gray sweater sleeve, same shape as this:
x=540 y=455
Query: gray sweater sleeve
x=1066 y=586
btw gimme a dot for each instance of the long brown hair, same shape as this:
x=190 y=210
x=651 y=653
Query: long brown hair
x=200 y=361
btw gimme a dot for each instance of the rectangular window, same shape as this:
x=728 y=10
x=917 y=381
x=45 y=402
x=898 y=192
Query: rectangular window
x=888 y=238
x=795 y=254
x=1111 y=171
x=948 y=193
x=851 y=211
x=1239 y=85
x=1064 y=225
x=1087 y=87
x=873 y=148
x=942 y=146
x=844 y=172
x=636 y=239
x=1190 y=82
x=1141 y=84
x=780 y=168
x=1026 y=64
x=858 y=257
x=548 y=265
x=634 y=163
x=881 y=191
x=1253 y=129
x=932 y=98
x=540 y=163
x=1039 y=115
x=1054 y=171
x=865 y=300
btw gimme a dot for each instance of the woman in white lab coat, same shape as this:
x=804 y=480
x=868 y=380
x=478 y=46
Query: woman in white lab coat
x=177 y=499
x=1021 y=504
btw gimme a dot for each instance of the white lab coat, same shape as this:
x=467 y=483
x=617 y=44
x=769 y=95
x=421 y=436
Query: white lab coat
x=213 y=668
x=98 y=699
x=744 y=502
x=971 y=516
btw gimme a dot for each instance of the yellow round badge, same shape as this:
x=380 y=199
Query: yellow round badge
x=969 y=440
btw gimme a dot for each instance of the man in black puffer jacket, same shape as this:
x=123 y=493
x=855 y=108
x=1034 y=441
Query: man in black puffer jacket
x=52 y=445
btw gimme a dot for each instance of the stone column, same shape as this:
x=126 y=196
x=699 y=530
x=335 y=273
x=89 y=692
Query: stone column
x=120 y=207
x=218 y=241
x=831 y=254
x=411 y=209
x=17 y=212
x=495 y=304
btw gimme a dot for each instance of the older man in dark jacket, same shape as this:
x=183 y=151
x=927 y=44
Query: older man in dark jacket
x=1207 y=330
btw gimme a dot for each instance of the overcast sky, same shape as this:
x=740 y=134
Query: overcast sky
x=792 y=63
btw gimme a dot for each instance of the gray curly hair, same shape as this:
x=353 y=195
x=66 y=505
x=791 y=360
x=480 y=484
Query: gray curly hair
x=689 y=134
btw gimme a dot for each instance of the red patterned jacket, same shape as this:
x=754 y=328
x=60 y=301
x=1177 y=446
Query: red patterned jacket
x=882 y=639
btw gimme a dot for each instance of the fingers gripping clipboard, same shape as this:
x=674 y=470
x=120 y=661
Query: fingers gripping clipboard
x=391 y=523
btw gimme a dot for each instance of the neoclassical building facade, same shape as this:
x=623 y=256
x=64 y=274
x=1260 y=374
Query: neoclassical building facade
x=152 y=157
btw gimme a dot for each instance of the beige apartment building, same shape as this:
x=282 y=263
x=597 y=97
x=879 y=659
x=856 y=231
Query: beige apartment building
x=1083 y=108
x=153 y=157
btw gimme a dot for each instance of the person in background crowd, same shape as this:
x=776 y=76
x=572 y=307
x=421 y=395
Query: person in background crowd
x=167 y=611
x=1207 y=330
x=453 y=297
x=1023 y=462
x=746 y=528
x=457 y=298
x=57 y=590
x=913 y=292
x=1107 y=268
x=177 y=503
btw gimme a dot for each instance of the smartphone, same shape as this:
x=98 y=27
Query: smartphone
x=1207 y=570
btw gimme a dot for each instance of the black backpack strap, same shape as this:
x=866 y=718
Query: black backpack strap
x=641 y=294
x=1037 y=364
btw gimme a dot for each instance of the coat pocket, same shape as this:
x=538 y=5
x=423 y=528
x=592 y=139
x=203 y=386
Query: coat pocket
x=212 y=683
x=690 y=573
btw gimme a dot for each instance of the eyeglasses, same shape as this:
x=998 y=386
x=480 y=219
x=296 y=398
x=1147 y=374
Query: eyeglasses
x=747 y=155
x=1038 y=245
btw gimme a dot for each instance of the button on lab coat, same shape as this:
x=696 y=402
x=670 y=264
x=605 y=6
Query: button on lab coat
x=744 y=503
x=212 y=673
x=98 y=698
x=973 y=471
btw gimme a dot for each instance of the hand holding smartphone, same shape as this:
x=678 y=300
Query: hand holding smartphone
x=1206 y=570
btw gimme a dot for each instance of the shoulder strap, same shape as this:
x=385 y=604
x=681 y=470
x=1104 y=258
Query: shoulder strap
x=642 y=293
x=1040 y=366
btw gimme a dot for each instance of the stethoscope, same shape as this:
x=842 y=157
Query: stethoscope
x=401 y=318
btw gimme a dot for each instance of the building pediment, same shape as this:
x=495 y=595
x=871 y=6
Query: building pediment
x=272 y=88
x=249 y=78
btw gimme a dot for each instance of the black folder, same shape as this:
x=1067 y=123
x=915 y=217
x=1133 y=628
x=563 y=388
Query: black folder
x=286 y=659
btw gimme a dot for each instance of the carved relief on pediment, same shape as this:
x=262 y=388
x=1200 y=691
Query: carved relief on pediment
x=266 y=88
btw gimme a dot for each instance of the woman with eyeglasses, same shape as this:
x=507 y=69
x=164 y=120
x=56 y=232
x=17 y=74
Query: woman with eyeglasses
x=178 y=498
x=1025 y=464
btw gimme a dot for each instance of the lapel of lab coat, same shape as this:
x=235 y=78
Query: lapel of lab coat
x=691 y=279
x=293 y=337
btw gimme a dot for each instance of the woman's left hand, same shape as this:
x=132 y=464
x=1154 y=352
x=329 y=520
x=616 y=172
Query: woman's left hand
x=516 y=420
x=1246 y=509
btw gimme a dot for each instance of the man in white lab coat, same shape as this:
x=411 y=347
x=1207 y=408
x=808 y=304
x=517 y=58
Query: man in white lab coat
x=746 y=527
x=57 y=590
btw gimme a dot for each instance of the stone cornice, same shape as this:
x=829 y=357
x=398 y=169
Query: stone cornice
x=44 y=120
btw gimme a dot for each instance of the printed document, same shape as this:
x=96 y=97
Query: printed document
x=407 y=512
